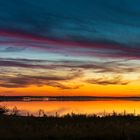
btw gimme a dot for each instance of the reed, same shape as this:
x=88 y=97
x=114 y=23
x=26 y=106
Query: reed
x=71 y=127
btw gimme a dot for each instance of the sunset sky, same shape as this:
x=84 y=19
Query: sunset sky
x=70 y=47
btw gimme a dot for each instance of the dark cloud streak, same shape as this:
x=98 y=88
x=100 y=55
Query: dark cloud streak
x=117 y=80
x=19 y=80
x=98 y=67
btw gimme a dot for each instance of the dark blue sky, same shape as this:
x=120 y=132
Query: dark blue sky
x=91 y=20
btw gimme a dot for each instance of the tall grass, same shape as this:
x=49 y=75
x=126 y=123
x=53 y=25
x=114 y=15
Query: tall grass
x=69 y=127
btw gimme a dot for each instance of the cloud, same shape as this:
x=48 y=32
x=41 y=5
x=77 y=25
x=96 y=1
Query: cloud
x=62 y=86
x=94 y=48
x=14 y=49
x=15 y=73
x=19 y=80
x=117 y=80
x=122 y=66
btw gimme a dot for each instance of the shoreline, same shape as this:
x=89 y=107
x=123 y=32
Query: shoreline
x=65 y=98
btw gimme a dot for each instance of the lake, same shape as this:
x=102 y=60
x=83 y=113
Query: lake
x=77 y=107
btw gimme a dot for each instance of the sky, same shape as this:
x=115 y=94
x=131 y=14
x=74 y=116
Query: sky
x=70 y=48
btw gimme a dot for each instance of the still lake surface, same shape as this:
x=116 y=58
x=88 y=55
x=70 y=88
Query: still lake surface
x=77 y=107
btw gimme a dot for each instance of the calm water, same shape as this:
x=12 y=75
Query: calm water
x=82 y=107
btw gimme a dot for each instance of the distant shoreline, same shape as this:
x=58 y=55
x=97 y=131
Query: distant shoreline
x=64 y=98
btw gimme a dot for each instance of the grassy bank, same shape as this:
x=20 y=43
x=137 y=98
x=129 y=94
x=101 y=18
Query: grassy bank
x=70 y=127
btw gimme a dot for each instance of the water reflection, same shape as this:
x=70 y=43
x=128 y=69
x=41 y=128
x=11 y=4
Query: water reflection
x=78 y=107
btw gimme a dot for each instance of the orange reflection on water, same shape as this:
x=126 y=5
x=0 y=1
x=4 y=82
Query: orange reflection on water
x=80 y=107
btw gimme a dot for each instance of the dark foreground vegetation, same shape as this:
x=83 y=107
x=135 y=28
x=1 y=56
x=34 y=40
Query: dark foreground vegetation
x=69 y=127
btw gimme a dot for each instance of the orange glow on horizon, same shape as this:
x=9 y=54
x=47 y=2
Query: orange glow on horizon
x=86 y=90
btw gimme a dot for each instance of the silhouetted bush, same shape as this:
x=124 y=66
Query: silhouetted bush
x=3 y=110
